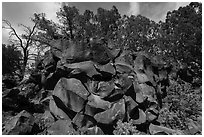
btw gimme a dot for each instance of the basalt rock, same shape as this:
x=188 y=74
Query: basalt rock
x=21 y=124
x=91 y=88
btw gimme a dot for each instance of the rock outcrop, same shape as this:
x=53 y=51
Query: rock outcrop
x=93 y=88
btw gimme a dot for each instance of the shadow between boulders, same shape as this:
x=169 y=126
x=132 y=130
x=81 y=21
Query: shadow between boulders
x=61 y=105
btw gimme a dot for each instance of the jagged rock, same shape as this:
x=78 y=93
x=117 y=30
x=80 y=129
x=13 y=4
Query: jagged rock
x=21 y=124
x=106 y=70
x=115 y=53
x=71 y=93
x=123 y=63
x=130 y=106
x=61 y=127
x=144 y=65
x=91 y=110
x=125 y=58
x=147 y=91
x=155 y=129
x=86 y=67
x=138 y=97
x=93 y=131
x=97 y=102
x=151 y=115
x=122 y=84
x=92 y=88
x=140 y=117
x=46 y=120
x=49 y=63
x=105 y=88
x=116 y=112
x=76 y=53
x=83 y=121
x=90 y=84
x=123 y=68
x=143 y=92
x=141 y=77
x=100 y=53
x=58 y=111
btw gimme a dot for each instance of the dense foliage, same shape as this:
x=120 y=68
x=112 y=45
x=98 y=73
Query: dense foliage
x=178 y=39
x=11 y=59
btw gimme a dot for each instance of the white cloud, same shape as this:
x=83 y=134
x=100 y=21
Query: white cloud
x=134 y=8
x=50 y=9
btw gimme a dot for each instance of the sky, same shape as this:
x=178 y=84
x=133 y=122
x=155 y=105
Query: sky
x=20 y=12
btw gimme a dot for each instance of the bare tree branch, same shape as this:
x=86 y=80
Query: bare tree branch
x=14 y=31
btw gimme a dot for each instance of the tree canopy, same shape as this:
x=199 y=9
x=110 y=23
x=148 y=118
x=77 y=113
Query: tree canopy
x=178 y=39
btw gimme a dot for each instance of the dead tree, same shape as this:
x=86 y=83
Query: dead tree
x=24 y=41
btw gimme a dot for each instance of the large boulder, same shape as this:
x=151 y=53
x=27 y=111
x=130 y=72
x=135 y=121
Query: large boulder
x=71 y=93
x=21 y=124
x=61 y=127
x=116 y=112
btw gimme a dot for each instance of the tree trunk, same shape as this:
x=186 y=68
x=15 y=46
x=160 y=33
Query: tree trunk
x=25 y=60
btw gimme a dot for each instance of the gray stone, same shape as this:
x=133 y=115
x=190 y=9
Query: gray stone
x=116 y=112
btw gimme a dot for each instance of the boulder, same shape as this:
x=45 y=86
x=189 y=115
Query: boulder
x=76 y=53
x=122 y=82
x=106 y=70
x=130 y=106
x=101 y=54
x=86 y=67
x=116 y=112
x=105 y=88
x=96 y=102
x=83 y=121
x=21 y=124
x=155 y=129
x=92 y=110
x=124 y=62
x=58 y=111
x=147 y=91
x=144 y=65
x=71 y=93
x=61 y=127
x=49 y=63
x=46 y=120
x=93 y=131
x=139 y=118
x=141 y=77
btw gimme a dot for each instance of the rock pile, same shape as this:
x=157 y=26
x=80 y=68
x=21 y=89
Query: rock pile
x=92 y=87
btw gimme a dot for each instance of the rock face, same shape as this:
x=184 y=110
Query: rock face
x=21 y=124
x=92 y=89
